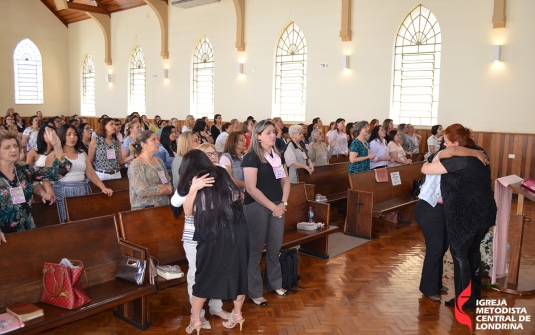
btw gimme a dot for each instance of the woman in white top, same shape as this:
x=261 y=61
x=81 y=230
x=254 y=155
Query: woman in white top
x=396 y=151
x=379 y=147
x=37 y=156
x=29 y=136
x=188 y=123
x=222 y=138
x=341 y=147
x=295 y=155
x=75 y=182
x=433 y=142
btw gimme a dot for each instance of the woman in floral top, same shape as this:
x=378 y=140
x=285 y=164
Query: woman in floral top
x=16 y=180
x=149 y=182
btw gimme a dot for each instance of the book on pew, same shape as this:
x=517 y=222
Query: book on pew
x=381 y=175
x=9 y=323
x=25 y=311
x=169 y=271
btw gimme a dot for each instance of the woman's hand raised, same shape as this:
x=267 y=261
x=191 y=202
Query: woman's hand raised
x=201 y=182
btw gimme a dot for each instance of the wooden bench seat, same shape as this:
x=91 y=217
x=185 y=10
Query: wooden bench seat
x=368 y=199
x=328 y=180
x=45 y=215
x=159 y=233
x=314 y=242
x=96 y=204
x=91 y=241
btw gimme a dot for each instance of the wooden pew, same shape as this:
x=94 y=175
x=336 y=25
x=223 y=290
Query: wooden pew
x=91 y=241
x=97 y=204
x=368 y=199
x=329 y=180
x=313 y=242
x=157 y=231
x=114 y=184
x=45 y=215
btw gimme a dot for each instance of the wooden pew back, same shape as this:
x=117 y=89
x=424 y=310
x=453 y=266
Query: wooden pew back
x=157 y=229
x=114 y=184
x=91 y=241
x=98 y=204
x=45 y=215
x=298 y=205
x=365 y=181
x=329 y=180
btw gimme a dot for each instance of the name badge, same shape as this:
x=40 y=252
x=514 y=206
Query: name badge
x=17 y=195
x=279 y=172
x=161 y=174
x=324 y=156
x=304 y=155
x=111 y=154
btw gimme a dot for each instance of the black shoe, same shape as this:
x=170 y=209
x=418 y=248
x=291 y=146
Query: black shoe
x=466 y=307
x=443 y=289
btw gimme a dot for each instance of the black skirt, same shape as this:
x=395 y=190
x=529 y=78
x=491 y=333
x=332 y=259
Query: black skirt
x=222 y=265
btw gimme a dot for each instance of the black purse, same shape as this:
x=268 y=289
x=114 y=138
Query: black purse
x=132 y=270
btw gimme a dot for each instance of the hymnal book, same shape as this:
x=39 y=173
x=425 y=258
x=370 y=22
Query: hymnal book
x=529 y=184
x=169 y=271
x=381 y=175
x=25 y=311
x=9 y=323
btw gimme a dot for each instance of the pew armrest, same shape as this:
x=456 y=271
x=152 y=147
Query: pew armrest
x=133 y=250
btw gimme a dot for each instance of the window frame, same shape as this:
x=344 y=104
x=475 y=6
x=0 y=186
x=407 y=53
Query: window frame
x=28 y=78
x=203 y=83
x=137 y=75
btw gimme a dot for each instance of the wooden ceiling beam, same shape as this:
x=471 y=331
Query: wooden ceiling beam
x=100 y=5
x=345 y=32
x=87 y=8
x=53 y=10
x=161 y=10
x=239 y=6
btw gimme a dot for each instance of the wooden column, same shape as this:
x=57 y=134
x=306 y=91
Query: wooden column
x=345 y=32
x=239 y=5
x=498 y=17
x=104 y=22
x=160 y=9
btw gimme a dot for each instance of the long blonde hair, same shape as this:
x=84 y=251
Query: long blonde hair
x=255 y=143
x=184 y=143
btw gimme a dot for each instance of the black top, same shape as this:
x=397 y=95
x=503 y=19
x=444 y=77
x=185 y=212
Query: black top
x=265 y=179
x=468 y=198
x=215 y=132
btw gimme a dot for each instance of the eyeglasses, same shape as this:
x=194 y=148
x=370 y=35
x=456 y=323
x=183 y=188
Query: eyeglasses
x=243 y=139
x=88 y=128
x=211 y=154
x=196 y=139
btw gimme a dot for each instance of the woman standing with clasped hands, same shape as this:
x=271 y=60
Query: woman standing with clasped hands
x=267 y=190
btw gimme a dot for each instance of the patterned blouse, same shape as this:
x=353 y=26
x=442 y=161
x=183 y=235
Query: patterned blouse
x=102 y=162
x=143 y=184
x=362 y=150
x=18 y=217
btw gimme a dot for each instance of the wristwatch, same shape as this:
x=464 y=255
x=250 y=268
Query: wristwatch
x=285 y=203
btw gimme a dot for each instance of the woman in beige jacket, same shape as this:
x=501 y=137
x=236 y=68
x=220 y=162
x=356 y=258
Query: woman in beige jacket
x=318 y=151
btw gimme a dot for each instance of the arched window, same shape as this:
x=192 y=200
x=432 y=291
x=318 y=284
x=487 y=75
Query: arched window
x=137 y=82
x=417 y=69
x=88 y=87
x=28 y=73
x=203 y=80
x=290 y=75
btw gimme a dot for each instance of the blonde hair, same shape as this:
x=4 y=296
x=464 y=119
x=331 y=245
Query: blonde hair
x=205 y=146
x=8 y=135
x=184 y=143
x=130 y=125
x=255 y=143
x=188 y=118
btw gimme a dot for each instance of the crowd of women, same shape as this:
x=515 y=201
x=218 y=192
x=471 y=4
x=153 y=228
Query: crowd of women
x=232 y=181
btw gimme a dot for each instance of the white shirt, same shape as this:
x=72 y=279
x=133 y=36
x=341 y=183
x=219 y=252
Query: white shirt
x=433 y=141
x=340 y=147
x=381 y=149
x=220 y=142
x=185 y=128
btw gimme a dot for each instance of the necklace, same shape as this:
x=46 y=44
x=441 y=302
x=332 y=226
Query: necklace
x=364 y=143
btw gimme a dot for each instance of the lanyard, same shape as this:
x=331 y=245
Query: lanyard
x=17 y=193
x=160 y=174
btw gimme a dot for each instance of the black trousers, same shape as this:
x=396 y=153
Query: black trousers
x=432 y=221
x=467 y=266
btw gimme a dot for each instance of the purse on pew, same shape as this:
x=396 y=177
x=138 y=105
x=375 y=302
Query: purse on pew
x=132 y=270
x=62 y=284
x=381 y=175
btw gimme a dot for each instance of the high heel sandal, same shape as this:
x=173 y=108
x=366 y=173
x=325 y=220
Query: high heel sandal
x=222 y=314
x=190 y=328
x=231 y=323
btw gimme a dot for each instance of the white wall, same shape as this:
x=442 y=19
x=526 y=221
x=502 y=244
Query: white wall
x=20 y=19
x=473 y=90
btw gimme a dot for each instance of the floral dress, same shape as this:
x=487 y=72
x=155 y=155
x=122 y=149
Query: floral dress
x=18 y=217
x=362 y=149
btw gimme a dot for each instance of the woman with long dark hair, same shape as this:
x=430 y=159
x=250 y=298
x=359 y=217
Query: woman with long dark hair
x=199 y=129
x=268 y=188
x=469 y=208
x=75 y=181
x=214 y=202
x=37 y=156
x=216 y=127
x=379 y=147
x=85 y=131
x=167 y=149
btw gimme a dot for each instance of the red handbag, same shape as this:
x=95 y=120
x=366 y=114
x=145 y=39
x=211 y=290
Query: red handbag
x=62 y=286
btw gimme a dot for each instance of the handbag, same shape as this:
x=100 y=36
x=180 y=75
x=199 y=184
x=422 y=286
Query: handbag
x=417 y=186
x=132 y=270
x=62 y=286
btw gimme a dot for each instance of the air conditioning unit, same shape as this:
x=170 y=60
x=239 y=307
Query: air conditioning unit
x=192 y=3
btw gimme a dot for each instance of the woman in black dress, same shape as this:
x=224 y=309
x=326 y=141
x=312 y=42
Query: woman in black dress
x=221 y=234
